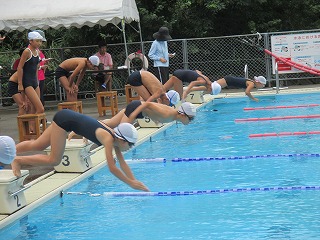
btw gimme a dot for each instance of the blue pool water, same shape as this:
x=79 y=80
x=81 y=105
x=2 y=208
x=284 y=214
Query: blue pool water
x=239 y=215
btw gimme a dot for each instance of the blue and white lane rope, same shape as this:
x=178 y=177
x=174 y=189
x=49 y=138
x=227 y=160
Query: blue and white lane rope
x=194 y=192
x=144 y=160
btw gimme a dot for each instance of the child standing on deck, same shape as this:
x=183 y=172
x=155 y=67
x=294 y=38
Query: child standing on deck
x=28 y=72
x=69 y=69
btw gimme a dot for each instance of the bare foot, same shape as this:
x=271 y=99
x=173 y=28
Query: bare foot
x=16 y=167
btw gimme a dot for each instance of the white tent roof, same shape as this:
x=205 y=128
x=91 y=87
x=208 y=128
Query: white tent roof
x=31 y=14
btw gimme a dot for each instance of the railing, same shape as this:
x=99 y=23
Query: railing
x=215 y=57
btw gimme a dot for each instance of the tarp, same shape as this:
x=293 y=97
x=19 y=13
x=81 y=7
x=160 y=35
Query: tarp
x=34 y=14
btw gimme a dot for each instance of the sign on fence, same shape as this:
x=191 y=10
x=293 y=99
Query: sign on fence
x=303 y=48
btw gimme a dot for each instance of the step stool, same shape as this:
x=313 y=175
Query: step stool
x=195 y=97
x=24 y=126
x=12 y=191
x=130 y=94
x=107 y=101
x=76 y=157
x=75 y=106
x=146 y=122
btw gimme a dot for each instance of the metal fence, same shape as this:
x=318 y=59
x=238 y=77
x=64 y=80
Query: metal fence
x=215 y=57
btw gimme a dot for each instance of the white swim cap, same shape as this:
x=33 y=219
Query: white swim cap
x=34 y=35
x=188 y=109
x=127 y=132
x=216 y=88
x=42 y=35
x=173 y=97
x=94 y=60
x=7 y=149
x=261 y=79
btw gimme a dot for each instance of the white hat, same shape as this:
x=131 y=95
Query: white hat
x=7 y=149
x=216 y=88
x=173 y=97
x=188 y=109
x=127 y=132
x=94 y=60
x=261 y=79
x=42 y=34
x=34 y=35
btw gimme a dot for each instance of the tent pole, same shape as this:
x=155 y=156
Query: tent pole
x=125 y=41
x=141 y=43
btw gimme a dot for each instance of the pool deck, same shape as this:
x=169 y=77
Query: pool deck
x=46 y=183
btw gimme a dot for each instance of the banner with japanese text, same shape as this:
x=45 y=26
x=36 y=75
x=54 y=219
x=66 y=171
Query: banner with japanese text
x=303 y=48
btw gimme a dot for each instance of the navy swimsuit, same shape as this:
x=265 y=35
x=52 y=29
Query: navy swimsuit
x=135 y=79
x=187 y=76
x=60 y=72
x=30 y=69
x=83 y=125
x=237 y=82
x=133 y=106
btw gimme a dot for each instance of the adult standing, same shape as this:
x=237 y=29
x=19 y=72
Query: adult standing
x=106 y=63
x=160 y=55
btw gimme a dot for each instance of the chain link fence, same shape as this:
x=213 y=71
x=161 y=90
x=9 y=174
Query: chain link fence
x=215 y=57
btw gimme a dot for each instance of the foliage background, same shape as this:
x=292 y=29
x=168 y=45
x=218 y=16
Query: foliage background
x=189 y=19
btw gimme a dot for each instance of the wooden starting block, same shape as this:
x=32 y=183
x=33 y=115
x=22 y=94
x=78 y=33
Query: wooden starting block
x=75 y=106
x=76 y=157
x=146 y=122
x=12 y=191
x=130 y=94
x=107 y=101
x=195 y=97
x=27 y=120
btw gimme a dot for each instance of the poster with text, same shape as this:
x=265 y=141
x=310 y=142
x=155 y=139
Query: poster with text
x=301 y=48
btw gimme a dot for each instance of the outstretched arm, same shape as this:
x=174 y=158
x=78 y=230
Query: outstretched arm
x=191 y=86
x=125 y=175
x=138 y=110
x=156 y=95
x=248 y=92
x=129 y=177
x=75 y=73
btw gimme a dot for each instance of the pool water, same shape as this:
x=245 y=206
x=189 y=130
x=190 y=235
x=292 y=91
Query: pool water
x=291 y=214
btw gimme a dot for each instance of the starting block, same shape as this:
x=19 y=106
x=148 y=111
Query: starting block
x=146 y=122
x=76 y=157
x=12 y=191
x=195 y=97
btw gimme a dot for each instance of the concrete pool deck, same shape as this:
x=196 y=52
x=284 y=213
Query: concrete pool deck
x=46 y=183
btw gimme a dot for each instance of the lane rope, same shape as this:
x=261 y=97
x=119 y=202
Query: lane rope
x=280 y=107
x=276 y=118
x=283 y=134
x=197 y=159
x=195 y=192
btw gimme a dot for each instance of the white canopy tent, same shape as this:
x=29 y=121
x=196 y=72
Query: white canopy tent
x=34 y=14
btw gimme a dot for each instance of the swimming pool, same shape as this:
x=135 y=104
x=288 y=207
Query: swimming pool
x=291 y=214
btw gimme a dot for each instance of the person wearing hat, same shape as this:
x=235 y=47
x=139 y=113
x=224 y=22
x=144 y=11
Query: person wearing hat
x=159 y=54
x=148 y=87
x=238 y=82
x=7 y=149
x=215 y=87
x=27 y=72
x=159 y=112
x=191 y=77
x=155 y=111
x=118 y=139
x=69 y=69
x=42 y=67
